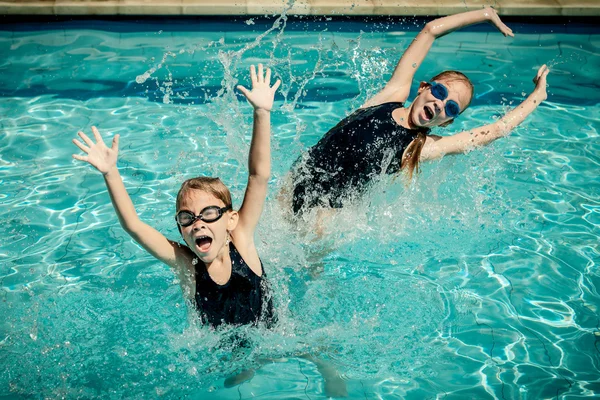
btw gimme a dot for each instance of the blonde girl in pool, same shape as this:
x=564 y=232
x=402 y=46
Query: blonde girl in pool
x=358 y=149
x=218 y=267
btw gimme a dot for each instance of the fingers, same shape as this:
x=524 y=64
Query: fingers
x=86 y=139
x=261 y=78
x=546 y=72
x=115 y=143
x=242 y=89
x=541 y=74
x=81 y=146
x=80 y=158
x=492 y=14
x=97 y=135
x=544 y=75
x=253 y=75
x=505 y=30
x=276 y=85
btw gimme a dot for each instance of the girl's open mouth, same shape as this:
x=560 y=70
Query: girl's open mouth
x=428 y=112
x=203 y=243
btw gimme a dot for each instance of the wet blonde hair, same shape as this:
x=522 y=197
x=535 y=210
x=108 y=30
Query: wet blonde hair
x=410 y=160
x=214 y=186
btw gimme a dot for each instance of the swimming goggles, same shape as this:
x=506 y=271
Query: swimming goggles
x=208 y=214
x=440 y=92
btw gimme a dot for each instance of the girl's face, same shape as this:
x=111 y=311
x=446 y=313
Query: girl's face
x=206 y=239
x=439 y=106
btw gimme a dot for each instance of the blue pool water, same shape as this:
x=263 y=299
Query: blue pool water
x=480 y=280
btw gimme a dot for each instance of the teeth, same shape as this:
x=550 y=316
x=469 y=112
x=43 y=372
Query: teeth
x=199 y=238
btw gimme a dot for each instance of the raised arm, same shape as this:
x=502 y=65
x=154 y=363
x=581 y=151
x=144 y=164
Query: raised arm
x=437 y=146
x=398 y=87
x=104 y=159
x=259 y=160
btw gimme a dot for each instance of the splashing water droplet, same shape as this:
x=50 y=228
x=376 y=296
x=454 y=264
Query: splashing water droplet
x=142 y=78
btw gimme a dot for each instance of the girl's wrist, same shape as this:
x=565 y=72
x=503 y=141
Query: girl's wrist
x=111 y=172
x=262 y=112
x=487 y=14
x=538 y=95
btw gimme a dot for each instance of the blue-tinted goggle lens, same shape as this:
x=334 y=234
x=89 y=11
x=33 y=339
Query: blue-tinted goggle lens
x=440 y=92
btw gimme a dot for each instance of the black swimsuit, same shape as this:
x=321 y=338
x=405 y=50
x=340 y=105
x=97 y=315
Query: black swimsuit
x=349 y=156
x=244 y=299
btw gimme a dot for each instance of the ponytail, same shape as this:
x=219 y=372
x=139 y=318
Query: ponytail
x=410 y=159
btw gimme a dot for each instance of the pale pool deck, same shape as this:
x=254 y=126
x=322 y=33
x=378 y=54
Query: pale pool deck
x=574 y=8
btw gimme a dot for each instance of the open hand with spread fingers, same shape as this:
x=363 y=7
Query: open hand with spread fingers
x=262 y=94
x=101 y=157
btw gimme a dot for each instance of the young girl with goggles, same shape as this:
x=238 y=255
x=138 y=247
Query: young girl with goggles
x=348 y=157
x=218 y=267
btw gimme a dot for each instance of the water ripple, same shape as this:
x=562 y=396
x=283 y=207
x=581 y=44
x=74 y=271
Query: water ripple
x=478 y=280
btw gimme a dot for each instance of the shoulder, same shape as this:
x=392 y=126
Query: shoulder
x=186 y=269
x=433 y=138
x=247 y=251
x=185 y=258
x=390 y=104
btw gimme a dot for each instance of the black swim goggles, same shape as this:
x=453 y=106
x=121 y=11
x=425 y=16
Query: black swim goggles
x=208 y=214
x=440 y=92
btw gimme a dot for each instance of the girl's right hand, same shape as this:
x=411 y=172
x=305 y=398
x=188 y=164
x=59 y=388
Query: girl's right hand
x=540 y=81
x=103 y=158
x=262 y=94
x=492 y=16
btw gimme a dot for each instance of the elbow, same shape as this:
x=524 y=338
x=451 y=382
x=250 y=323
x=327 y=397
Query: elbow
x=431 y=28
x=428 y=28
x=133 y=228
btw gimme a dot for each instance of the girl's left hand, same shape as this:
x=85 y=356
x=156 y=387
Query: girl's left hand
x=262 y=94
x=492 y=16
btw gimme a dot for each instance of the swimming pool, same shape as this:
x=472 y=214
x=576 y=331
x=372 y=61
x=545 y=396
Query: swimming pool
x=478 y=281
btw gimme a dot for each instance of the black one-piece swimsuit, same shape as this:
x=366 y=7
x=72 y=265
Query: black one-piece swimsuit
x=244 y=299
x=353 y=153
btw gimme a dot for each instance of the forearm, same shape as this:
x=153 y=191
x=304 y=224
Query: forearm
x=259 y=159
x=442 y=26
x=417 y=51
x=146 y=236
x=517 y=115
x=485 y=135
x=104 y=159
x=121 y=201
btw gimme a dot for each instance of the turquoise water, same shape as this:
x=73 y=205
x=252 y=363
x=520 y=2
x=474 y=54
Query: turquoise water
x=480 y=280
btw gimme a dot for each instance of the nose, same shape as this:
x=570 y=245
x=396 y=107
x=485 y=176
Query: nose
x=197 y=225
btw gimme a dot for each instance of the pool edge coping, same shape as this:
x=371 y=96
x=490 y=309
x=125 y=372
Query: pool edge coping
x=299 y=7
